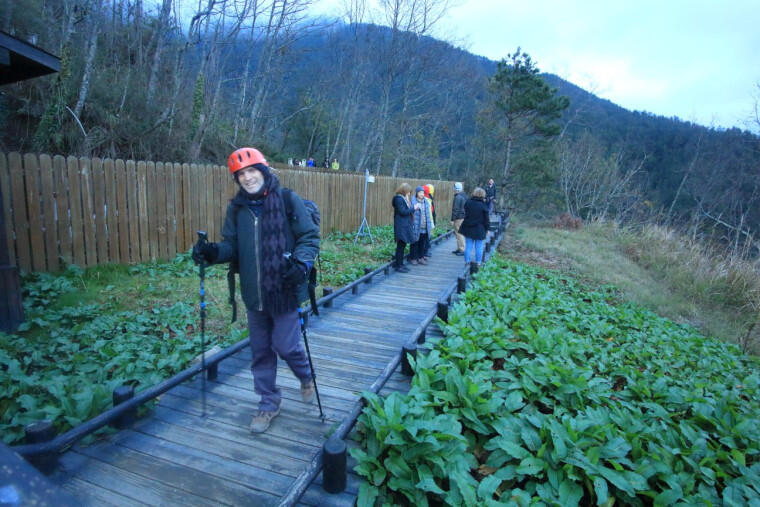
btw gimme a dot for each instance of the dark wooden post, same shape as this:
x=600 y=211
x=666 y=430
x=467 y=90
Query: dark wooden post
x=366 y=272
x=443 y=311
x=461 y=284
x=406 y=366
x=334 y=465
x=120 y=395
x=38 y=433
x=326 y=291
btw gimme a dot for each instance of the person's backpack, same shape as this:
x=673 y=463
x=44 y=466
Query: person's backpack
x=311 y=276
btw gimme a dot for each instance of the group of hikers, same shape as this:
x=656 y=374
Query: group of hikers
x=310 y=162
x=272 y=240
x=414 y=220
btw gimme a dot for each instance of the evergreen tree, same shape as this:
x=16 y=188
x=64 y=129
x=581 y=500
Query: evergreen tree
x=526 y=106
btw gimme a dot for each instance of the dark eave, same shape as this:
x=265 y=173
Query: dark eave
x=20 y=60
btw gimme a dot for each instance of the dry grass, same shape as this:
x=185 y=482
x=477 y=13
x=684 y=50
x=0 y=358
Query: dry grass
x=656 y=267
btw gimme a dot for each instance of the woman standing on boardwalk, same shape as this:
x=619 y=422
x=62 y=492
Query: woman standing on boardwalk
x=423 y=226
x=403 y=231
x=475 y=225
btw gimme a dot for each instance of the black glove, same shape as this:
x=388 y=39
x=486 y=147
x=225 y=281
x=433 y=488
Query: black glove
x=295 y=273
x=205 y=252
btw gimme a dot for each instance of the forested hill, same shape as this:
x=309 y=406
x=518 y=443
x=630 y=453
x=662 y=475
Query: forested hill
x=384 y=99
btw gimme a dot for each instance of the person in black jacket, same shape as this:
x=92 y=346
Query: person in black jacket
x=274 y=252
x=403 y=225
x=490 y=195
x=475 y=225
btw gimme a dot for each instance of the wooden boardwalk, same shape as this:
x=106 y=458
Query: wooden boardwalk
x=176 y=456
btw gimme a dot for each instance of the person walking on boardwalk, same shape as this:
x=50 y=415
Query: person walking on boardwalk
x=490 y=195
x=457 y=215
x=422 y=226
x=475 y=225
x=403 y=227
x=273 y=243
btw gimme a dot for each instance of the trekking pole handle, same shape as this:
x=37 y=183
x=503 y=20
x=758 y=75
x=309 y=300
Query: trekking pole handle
x=202 y=237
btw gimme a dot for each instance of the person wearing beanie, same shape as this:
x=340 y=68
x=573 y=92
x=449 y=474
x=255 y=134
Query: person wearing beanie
x=273 y=244
x=429 y=189
x=422 y=226
x=457 y=216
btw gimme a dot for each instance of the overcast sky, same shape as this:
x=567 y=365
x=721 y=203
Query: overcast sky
x=698 y=59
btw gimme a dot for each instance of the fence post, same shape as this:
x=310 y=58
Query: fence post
x=326 y=291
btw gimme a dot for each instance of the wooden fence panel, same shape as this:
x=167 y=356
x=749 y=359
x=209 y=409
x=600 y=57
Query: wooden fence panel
x=121 y=210
x=34 y=210
x=75 y=207
x=20 y=219
x=92 y=211
x=88 y=212
x=133 y=213
x=142 y=207
x=171 y=210
x=100 y=203
x=5 y=188
x=112 y=220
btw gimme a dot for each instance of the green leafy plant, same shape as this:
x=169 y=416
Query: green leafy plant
x=566 y=396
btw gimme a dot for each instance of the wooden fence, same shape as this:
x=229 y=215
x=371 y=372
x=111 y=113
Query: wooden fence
x=61 y=211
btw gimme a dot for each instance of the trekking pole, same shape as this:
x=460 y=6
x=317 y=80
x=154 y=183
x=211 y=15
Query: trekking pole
x=311 y=365
x=202 y=239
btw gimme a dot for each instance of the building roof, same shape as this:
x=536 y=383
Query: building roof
x=20 y=60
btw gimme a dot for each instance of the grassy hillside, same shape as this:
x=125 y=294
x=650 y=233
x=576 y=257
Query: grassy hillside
x=658 y=269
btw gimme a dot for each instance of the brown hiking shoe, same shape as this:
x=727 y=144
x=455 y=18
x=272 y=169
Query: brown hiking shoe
x=307 y=391
x=261 y=420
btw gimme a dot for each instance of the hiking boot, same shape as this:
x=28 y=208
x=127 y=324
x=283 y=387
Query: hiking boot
x=422 y=261
x=459 y=253
x=401 y=269
x=261 y=420
x=307 y=391
x=414 y=262
x=455 y=252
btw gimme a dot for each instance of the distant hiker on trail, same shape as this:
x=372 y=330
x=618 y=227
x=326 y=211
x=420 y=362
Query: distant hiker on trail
x=403 y=227
x=335 y=164
x=490 y=195
x=274 y=252
x=422 y=226
x=475 y=225
x=310 y=162
x=457 y=215
x=429 y=189
x=326 y=163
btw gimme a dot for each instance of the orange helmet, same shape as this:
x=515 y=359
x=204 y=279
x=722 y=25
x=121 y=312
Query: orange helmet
x=244 y=157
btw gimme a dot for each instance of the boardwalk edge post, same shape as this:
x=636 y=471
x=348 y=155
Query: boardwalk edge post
x=406 y=365
x=334 y=465
x=120 y=395
x=37 y=433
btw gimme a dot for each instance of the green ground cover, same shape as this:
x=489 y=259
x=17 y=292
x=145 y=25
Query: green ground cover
x=88 y=331
x=545 y=390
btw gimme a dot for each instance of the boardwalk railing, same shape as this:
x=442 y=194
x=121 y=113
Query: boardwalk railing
x=62 y=211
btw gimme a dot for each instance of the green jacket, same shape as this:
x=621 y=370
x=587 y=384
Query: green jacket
x=241 y=244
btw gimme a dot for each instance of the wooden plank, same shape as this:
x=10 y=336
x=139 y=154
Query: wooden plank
x=171 y=210
x=122 y=482
x=5 y=188
x=34 y=210
x=142 y=205
x=121 y=210
x=19 y=212
x=90 y=494
x=112 y=219
x=88 y=212
x=153 y=211
x=179 y=208
x=99 y=204
x=133 y=213
x=75 y=205
x=196 y=486
x=63 y=222
x=187 y=207
x=161 y=210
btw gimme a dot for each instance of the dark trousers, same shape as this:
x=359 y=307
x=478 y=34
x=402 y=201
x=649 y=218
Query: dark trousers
x=398 y=260
x=417 y=249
